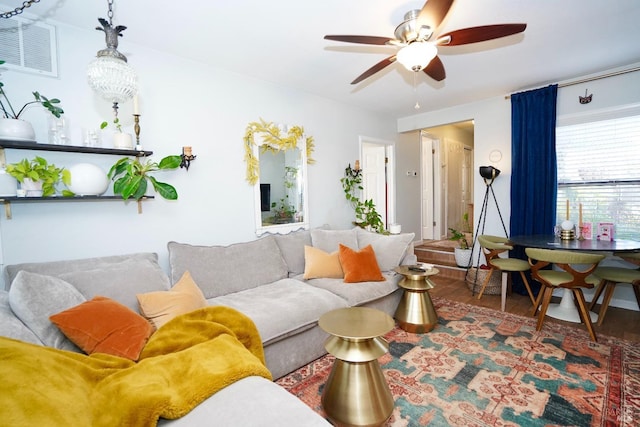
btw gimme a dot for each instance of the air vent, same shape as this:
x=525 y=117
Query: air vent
x=28 y=46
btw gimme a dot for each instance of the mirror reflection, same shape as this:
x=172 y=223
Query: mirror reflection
x=281 y=190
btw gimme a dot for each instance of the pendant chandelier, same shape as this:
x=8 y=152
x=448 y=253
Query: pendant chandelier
x=109 y=74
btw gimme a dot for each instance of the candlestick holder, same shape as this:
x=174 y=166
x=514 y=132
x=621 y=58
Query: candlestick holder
x=136 y=129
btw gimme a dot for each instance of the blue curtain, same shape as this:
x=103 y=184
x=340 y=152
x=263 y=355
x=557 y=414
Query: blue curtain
x=534 y=169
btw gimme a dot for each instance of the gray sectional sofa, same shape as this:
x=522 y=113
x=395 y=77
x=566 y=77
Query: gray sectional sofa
x=263 y=279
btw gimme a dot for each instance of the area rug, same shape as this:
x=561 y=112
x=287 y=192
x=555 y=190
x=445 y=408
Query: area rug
x=481 y=367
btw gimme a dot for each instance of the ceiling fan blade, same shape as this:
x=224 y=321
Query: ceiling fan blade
x=433 y=12
x=371 y=71
x=360 y=39
x=435 y=69
x=480 y=34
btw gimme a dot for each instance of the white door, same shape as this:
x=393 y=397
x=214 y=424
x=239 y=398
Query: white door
x=374 y=181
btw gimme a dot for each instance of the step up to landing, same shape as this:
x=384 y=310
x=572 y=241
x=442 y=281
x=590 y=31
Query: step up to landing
x=440 y=254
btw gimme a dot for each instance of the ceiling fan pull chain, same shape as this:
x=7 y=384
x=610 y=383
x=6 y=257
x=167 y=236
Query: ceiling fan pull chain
x=415 y=89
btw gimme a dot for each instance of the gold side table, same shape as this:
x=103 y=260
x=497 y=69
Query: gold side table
x=356 y=393
x=415 y=312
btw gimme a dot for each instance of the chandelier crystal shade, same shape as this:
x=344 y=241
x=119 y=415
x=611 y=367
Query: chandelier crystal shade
x=112 y=78
x=108 y=74
x=417 y=55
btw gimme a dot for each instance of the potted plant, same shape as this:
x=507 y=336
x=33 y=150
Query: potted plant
x=11 y=126
x=463 y=252
x=131 y=177
x=283 y=210
x=38 y=177
x=120 y=139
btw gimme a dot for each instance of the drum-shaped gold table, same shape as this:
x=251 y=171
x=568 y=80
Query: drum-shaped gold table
x=356 y=393
x=415 y=312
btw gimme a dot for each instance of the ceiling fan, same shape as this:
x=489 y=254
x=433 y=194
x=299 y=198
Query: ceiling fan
x=419 y=46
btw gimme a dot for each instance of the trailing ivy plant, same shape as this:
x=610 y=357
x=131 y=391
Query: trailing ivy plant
x=366 y=213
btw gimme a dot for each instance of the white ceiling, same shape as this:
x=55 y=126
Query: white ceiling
x=281 y=41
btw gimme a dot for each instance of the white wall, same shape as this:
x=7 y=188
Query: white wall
x=182 y=103
x=493 y=132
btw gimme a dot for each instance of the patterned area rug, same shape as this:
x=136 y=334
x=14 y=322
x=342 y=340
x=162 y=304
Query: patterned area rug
x=481 y=367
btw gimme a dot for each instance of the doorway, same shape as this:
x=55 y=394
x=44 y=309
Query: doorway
x=447 y=178
x=378 y=172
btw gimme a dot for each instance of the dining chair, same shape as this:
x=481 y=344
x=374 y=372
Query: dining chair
x=492 y=247
x=574 y=271
x=610 y=277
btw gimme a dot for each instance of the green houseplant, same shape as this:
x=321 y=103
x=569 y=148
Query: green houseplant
x=10 y=113
x=38 y=170
x=463 y=252
x=366 y=214
x=131 y=177
x=283 y=210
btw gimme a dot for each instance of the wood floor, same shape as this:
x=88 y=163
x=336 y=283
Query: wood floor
x=620 y=323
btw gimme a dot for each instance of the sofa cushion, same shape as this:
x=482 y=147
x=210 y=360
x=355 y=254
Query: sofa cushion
x=329 y=240
x=161 y=306
x=357 y=294
x=282 y=308
x=11 y=326
x=318 y=263
x=390 y=249
x=120 y=281
x=359 y=266
x=103 y=325
x=56 y=268
x=292 y=249
x=34 y=297
x=220 y=270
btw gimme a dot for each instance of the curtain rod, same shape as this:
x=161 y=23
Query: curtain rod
x=590 y=79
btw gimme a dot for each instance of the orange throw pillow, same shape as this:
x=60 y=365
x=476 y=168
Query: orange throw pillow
x=359 y=266
x=102 y=325
x=161 y=306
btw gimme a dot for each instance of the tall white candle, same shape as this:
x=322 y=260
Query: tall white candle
x=136 y=105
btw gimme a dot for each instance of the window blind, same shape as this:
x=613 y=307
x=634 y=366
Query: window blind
x=599 y=167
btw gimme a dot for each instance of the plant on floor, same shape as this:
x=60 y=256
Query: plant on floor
x=131 y=176
x=461 y=235
x=38 y=169
x=366 y=214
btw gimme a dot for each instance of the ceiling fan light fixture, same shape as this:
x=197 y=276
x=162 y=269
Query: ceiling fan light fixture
x=417 y=55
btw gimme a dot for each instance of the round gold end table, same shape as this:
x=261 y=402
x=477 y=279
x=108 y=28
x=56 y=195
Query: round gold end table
x=356 y=393
x=415 y=312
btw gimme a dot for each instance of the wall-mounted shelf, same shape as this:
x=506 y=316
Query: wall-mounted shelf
x=14 y=199
x=30 y=145
x=23 y=145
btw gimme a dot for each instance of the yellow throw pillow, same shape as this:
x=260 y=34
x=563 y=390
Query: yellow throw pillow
x=161 y=306
x=359 y=266
x=103 y=325
x=320 y=264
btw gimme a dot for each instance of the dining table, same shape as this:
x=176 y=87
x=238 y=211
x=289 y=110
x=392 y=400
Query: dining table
x=566 y=309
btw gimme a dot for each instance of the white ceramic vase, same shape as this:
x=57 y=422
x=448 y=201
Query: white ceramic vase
x=16 y=129
x=88 y=179
x=32 y=188
x=123 y=141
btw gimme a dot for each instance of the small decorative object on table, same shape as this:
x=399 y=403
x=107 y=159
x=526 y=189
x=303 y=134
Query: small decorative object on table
x=606 y=231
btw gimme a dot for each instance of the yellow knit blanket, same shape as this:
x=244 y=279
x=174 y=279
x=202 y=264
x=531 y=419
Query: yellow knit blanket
x=184 y=362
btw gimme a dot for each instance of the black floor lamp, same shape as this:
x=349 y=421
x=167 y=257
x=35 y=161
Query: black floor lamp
x=488 y=174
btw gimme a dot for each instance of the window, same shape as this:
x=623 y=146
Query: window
x=599 y=167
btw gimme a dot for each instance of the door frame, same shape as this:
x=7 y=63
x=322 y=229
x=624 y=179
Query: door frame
x=390 y=172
